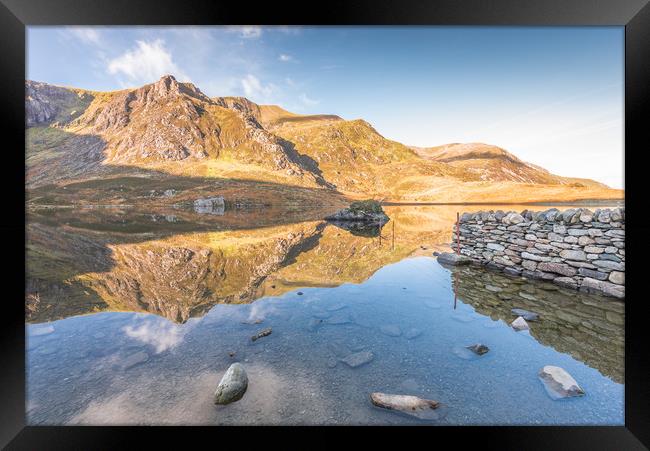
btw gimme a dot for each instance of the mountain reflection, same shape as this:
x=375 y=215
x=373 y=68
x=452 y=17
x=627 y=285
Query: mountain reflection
x=80 y=262
x=83 y=262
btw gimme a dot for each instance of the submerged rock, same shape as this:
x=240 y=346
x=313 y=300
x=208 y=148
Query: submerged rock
x=525 y=314
x=412 y=333
x=478 y=348
x=358 y=358
x=450 y=258
x=262 y=333
x=558 y=383
x=411 y=405
x=232 y=386
x=135 y=359
x=391 y=330
x=520 y=324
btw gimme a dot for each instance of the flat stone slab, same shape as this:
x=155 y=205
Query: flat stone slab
x=558 y=383
x=453 y=259
x=358 y=358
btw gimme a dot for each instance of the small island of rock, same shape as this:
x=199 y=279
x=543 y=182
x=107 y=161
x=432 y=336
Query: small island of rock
x=365 y=217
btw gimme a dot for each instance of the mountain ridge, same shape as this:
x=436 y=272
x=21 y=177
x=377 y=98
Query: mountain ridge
x=174 y=128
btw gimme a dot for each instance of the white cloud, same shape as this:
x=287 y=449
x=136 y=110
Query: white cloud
x=285 y=58
x=85 y=34
x=160 y=334
x=146 y=62
x=308 y=101
x=253 y=87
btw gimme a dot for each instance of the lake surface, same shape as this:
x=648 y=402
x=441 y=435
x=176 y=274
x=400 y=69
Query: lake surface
x=134 y=316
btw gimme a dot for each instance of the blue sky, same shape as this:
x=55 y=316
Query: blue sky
x=551 y=95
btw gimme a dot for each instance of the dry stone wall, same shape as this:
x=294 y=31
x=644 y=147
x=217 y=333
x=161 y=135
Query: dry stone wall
x=575 y=248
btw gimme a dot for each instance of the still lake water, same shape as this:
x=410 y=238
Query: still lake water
x=133 y=317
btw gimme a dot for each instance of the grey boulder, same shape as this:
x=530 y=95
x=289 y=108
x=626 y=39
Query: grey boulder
x=232 y=386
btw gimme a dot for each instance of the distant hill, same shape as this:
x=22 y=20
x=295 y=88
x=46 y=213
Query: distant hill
x=171 y=129
x=493 y=163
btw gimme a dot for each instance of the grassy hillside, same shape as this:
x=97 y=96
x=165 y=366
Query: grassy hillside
x=171 y=131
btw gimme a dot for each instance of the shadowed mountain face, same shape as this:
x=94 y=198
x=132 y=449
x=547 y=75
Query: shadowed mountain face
x=173 y=130
x=588 y=327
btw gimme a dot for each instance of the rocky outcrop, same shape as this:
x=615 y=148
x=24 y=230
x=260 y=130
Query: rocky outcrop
x=365 y=212
x=575 y=248
x=232 y=386
x=44 y=102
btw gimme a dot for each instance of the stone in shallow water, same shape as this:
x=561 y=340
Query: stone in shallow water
x=262 y=333
x=358 y=358
x=232 y=386
x=525 y=314
x=412 y=333
x=478 y=348
x=339 y=319
x=135 y=359
x=449 y=258
x=558 y=383
x=391 y=330
x=411 y=405
x=519 y=324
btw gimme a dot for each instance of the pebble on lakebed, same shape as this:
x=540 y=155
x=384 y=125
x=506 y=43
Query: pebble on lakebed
x=558 y=383
x=478 y=349
x=262 y=333
x=520 y=324
x=411 y=405
x=232 y=386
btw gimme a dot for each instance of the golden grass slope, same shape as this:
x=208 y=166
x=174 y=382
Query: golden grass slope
x=173 y=128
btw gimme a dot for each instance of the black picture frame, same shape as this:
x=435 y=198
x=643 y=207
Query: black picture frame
x=15 y=15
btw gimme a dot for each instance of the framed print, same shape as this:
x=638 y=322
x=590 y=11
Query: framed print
x=370 y=215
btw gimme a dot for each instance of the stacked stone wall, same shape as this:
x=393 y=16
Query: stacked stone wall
x=575 y=248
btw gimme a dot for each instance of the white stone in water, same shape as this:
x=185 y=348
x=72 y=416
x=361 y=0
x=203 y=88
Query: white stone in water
x=558 y=383
x=232 y=386
x=411 y=405
x=520 y=324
